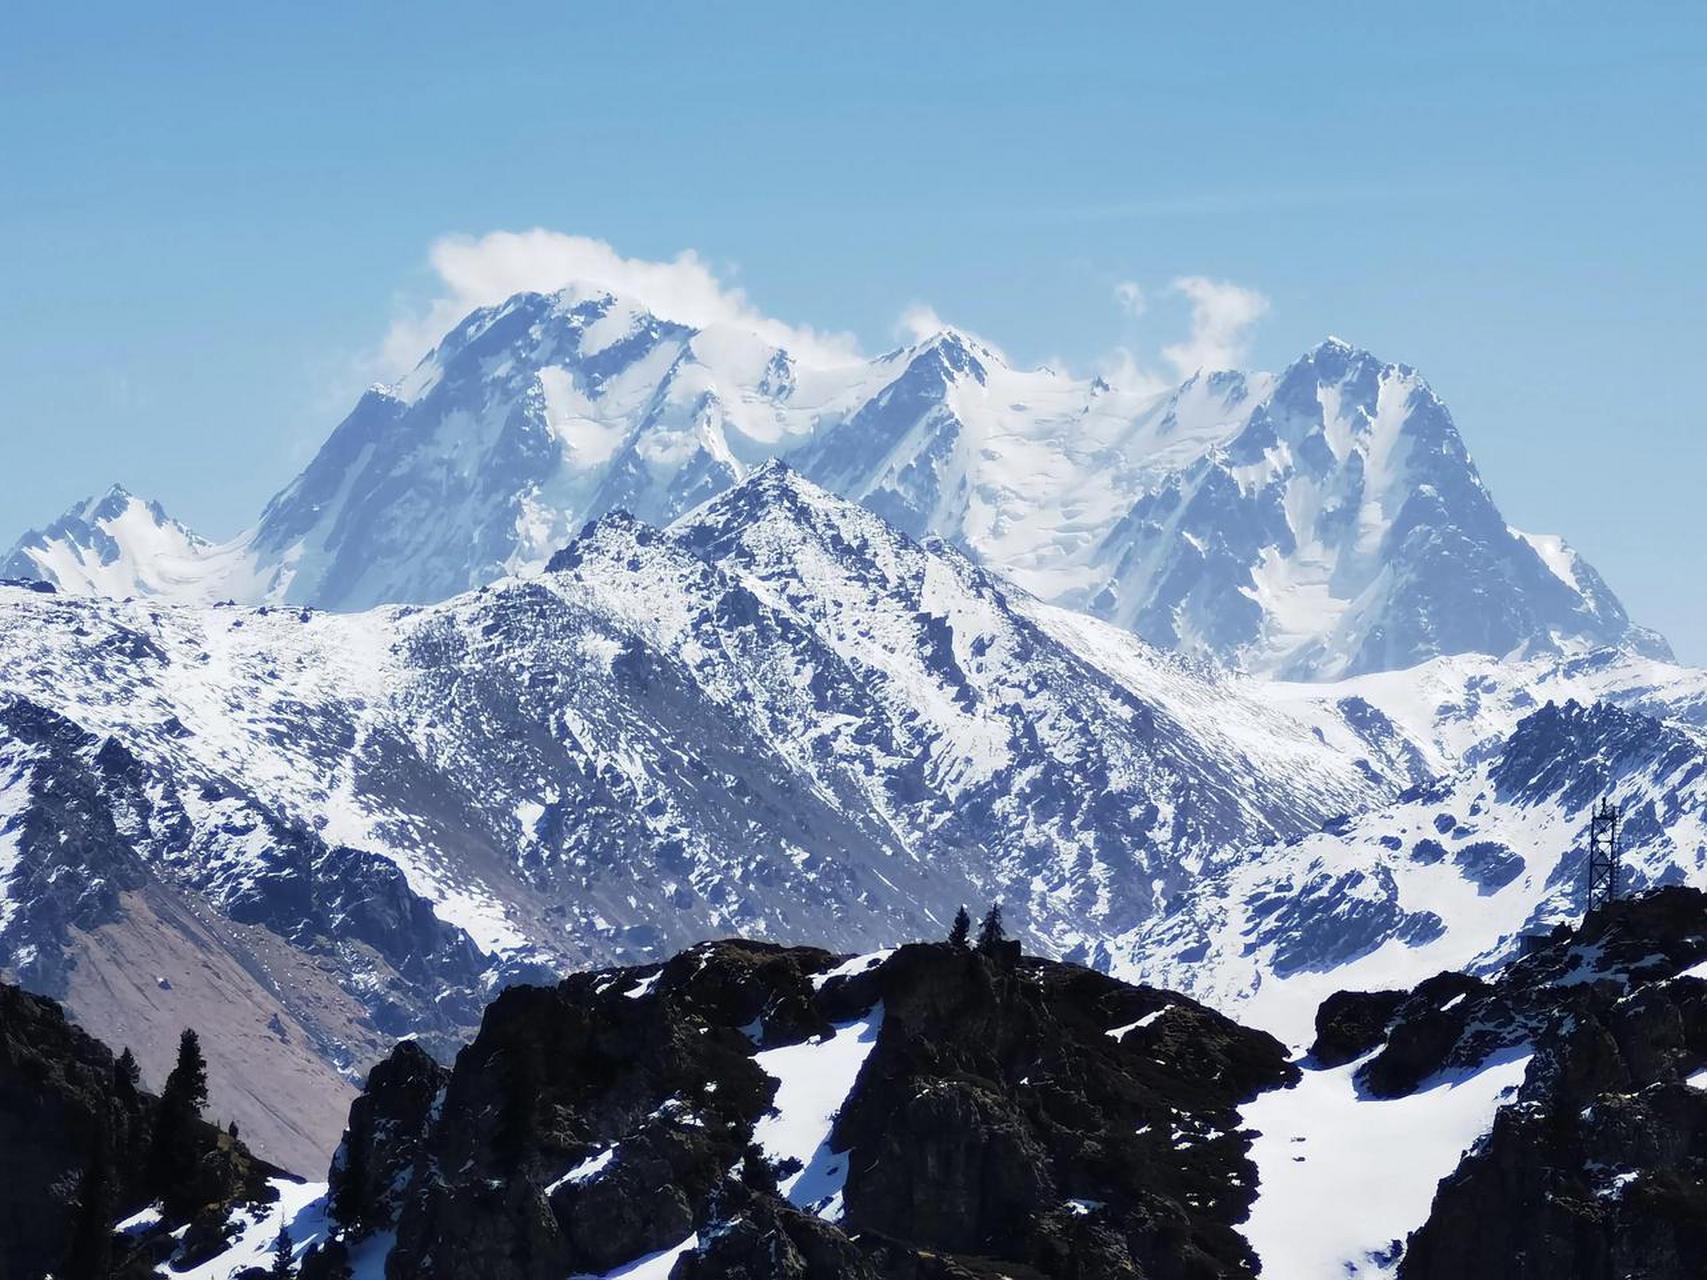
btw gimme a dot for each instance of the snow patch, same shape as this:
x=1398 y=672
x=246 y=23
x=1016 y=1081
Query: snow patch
x=814 y=1079
x=654 y=1266
x=1342 y=1177
x=587 y=1171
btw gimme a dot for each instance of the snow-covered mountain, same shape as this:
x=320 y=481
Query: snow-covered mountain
x=119 y=545
x=1322 y=522
x=1456 y=872
x=780 y=717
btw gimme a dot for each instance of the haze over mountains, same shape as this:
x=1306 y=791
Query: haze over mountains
x=1323 y=522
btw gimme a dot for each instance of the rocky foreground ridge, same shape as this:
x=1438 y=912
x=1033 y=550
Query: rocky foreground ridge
x=750 y=1110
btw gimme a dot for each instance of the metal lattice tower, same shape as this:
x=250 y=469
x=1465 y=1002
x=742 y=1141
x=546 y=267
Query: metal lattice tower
x=1602 y=855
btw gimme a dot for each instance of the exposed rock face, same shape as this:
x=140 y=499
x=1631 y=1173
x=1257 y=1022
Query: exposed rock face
x=1008 y=1112
x=1599 y=1169
x=387 y=1124
x=996 y=1104
x=63 y=1113
x=1350 y=1024
x=752 y=1112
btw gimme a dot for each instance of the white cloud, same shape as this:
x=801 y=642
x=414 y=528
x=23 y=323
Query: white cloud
x=918 y=322
x=478 y=272
x=1222 y=314
x=1122 y=368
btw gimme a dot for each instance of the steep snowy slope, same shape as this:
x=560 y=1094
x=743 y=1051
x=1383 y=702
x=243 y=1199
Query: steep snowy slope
x=1321 y=522
x=149 y=900
x=1451 y=875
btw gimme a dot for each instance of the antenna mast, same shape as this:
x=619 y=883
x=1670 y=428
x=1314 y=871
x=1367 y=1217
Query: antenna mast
x=1602 y=855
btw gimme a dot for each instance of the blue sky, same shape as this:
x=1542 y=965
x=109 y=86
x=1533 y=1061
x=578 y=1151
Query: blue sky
x=210 y=219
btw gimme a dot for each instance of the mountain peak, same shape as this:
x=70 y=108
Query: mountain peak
x=615 y=528
x=533 y=416
x=773 y=487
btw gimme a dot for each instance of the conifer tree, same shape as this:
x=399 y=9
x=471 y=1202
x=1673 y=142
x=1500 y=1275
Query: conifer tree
x=962 y=930
x=177 y=1143
x=282 y=1248
x=126 y=1076
x=991 y=933
x=186 y=1087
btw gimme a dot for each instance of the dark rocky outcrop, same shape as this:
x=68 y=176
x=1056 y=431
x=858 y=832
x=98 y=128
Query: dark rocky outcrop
x=995 y=1103
x=387 y=1125
x=72 y=1130
x=1001 y=1116
x=762 y=1237
x=1350 y=1024
x=1598 y=1169
x=996 y=1126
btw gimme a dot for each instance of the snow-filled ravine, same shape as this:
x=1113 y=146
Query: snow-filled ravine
x=814 y=1079
x=1343 y=1178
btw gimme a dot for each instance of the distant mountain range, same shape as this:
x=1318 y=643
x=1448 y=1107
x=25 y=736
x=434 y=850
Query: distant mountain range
x=1319 y=523
x=779 y=715
x=600 y=636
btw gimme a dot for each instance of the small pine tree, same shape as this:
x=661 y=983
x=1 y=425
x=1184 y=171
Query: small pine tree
x=283 y=1247
x=962 y=930
x=186 y=1087
x=178 y=1141
x=991 y=933
x=126 y=1076
x=231 y=1130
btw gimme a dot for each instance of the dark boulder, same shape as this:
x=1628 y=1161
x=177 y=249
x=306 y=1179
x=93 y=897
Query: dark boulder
x=1350 y=1024
x=387 y=1122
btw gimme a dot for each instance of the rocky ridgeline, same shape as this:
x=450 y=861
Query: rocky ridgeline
x=748 y=1110
x=996 y=1127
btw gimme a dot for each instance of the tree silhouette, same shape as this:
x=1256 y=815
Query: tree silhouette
x=958 y=935
x=126 y=1076
x=991 y=933
x=178 y=1142
x=186 y=1087
x=282 y=1249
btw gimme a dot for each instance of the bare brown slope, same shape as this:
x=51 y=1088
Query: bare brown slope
x=140 y=980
